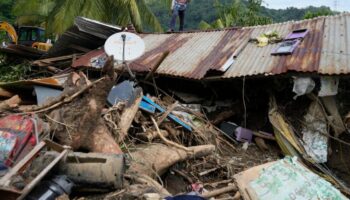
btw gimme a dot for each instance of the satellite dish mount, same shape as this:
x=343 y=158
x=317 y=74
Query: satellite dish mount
x=123 y=60
x=125 y=46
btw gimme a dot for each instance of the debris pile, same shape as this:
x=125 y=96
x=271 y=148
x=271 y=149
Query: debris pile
x=93 y=128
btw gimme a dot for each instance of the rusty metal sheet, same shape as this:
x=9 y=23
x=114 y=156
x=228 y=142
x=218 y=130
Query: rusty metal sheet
x=86 y=60
x=335 y=58
x=191 y=54
x=325 y=50
x=83 y=36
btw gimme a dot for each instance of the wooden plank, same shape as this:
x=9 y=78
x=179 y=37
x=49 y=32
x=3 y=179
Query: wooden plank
x=6 y=179
x=42 y=174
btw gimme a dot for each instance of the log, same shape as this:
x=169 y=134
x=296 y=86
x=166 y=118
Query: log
x=217 y=192
x=144 y=179
x=261 y=144
x=128 y=115
x=5 y=93
x=76 y=122
x=155 y=159
x=101 y=141
x=10 y=103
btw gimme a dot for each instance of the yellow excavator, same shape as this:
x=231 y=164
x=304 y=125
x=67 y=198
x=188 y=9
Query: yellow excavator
x=26 y=35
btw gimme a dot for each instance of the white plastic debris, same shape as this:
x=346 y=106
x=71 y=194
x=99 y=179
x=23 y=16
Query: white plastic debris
x=302 y=86
x=329 y=86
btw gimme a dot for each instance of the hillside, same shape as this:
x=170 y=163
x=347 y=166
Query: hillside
x=205 y=10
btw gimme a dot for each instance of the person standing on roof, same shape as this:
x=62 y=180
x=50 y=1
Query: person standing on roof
x=178 y=8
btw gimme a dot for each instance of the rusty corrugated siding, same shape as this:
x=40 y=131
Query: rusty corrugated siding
x=325 y=50
x=191 y=55
x=335 y=57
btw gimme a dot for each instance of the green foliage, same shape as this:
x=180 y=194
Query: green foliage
x=197 y=11
x=208 y=11
x=58 y=15
x=291 y=13
x=5 y=10
x=240 y=14
x=13 y=72
x=320 y=12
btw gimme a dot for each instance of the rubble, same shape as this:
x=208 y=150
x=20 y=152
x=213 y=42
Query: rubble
x=163 y=137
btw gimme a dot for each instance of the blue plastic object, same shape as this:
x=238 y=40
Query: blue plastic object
x=121 y=92
x=147 y=107
x=170 y=116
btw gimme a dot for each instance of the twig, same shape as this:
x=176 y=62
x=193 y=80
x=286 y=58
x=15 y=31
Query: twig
x=144 y=179
x=116 y=194
x=185 y=176
x=264 y=136
x=208 y=171
x=165 y=114
x=217 y=192
x=215 y=184
x=237 y=196
x=63 y=124
x=161 y=136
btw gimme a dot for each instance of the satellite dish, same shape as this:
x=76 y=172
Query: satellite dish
x=134 y=46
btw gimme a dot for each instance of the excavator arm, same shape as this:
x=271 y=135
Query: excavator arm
x=10 y=30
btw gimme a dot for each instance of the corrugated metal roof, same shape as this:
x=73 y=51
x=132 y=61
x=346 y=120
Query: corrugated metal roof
x=86 y=34
x=325 y=50
x=191 y=55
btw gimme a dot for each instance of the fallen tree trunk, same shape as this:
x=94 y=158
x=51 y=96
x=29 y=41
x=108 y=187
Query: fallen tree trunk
x=155 y=159
x=144 y=179
x=77 y=123
x=102 y=140
x=128 y=114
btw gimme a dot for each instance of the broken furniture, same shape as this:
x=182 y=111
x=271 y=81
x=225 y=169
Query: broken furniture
x=8 y=190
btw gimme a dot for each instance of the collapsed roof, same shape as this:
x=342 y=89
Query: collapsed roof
x=229 y=52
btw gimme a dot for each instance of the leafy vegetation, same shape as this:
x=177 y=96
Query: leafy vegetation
x=238 y=14
x=5 y=11
x=323 y=11
x=146 y=15
x=58 y=15
x=200 y=11
x=13 y=71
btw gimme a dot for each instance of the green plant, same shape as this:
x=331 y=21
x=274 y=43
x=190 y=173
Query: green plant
x=58 y=15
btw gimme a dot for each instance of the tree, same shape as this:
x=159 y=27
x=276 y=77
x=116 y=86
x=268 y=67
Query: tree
x=58 y=15
x=5 y=11
x=238 y=14
x=323 y=11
